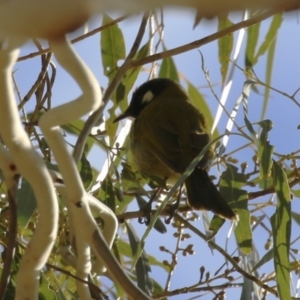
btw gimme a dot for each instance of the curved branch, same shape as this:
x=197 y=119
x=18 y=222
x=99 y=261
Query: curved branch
x=30 y=165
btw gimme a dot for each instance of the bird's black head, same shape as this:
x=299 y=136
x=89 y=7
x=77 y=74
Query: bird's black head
x=145 y=94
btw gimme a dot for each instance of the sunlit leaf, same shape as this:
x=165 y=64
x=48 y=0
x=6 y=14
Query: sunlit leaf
x=267 y=257
x=296 y=217
x=225 y=44
x=216 y=223
x=281 y=228
x=270 y=36
x=231 y=188
x=200 y=102
x=112 y=47
x=128 y=81
x=265 y=149
x=252 y=39
x=168 y=69
x=269 y=74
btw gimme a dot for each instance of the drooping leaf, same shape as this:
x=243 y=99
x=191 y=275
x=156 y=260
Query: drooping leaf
x=130 y=77
x=216 y=223
x=142 y=266
x=296 y=217
x=86 y=171
x=270 y=36
x=199 y=101
x=168 y=69
x=267 y=257
x=231 y=188
x=74 y=128
x=26 y=203
x=252 y=39
x=112 y=47
x=107 y=193
x=159 y=225
x=281 y=228
x=268 y=80
x=265 y=149
x=225 y=44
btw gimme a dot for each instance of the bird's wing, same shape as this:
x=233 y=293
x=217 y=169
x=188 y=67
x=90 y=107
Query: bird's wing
x=163 y=142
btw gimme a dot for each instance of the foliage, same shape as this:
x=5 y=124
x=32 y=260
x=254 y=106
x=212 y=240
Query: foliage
x=257 y=273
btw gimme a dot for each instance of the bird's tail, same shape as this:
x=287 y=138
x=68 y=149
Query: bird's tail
x=203 y=195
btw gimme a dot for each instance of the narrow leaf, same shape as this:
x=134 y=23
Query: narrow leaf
x=86 y=172
x=159 y=225
x=231 y=188
x=168 y=69
x=225 y=46
x=270 y=36
x=281 y=227
x=112 y=47
x=142 y=266
x=199 y=101
x=265 y=149
x=26 y=203
x=252 y=38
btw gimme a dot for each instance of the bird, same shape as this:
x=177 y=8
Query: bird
x=167 y=133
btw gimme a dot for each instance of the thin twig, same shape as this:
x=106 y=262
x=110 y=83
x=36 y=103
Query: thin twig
x=110 y=89
x=198 y=43
x=78 y=39
x=226 y=255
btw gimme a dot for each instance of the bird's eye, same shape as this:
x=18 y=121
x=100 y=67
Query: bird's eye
x=147 y=97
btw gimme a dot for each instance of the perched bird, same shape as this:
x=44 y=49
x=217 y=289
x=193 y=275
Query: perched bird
x=168 y=132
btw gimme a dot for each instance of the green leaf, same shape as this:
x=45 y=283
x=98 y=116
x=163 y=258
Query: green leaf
x=225 y=46
x=268 y=80
x=296 y=217
x=168 y=69
x=86 y=172
x=125 y=250
x=45 y=292
x=215 y=224
x=159 y=225
x=107 y=193
x=75 y=127
x=26 y=203
x=281 y=228
x=231 y=188
x=199 y=101
x=270 y=36
x=129 y=79
x=142 y=266
x=267 y=257
x=252 y=38
x=112 y=47
x=265 y=150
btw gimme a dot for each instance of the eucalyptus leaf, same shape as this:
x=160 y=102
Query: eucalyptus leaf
x=281 y=228
x=26 y=203
x=168 y=69
x=112 y=47
x=142 y=266
x=231 y=188
x=225 y=44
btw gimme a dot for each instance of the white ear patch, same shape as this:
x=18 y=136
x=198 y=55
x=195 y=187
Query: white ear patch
x=147 y=97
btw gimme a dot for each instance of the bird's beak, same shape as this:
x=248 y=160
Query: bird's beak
x=121 y=116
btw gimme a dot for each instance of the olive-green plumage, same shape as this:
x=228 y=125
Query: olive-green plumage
x=168 y=132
